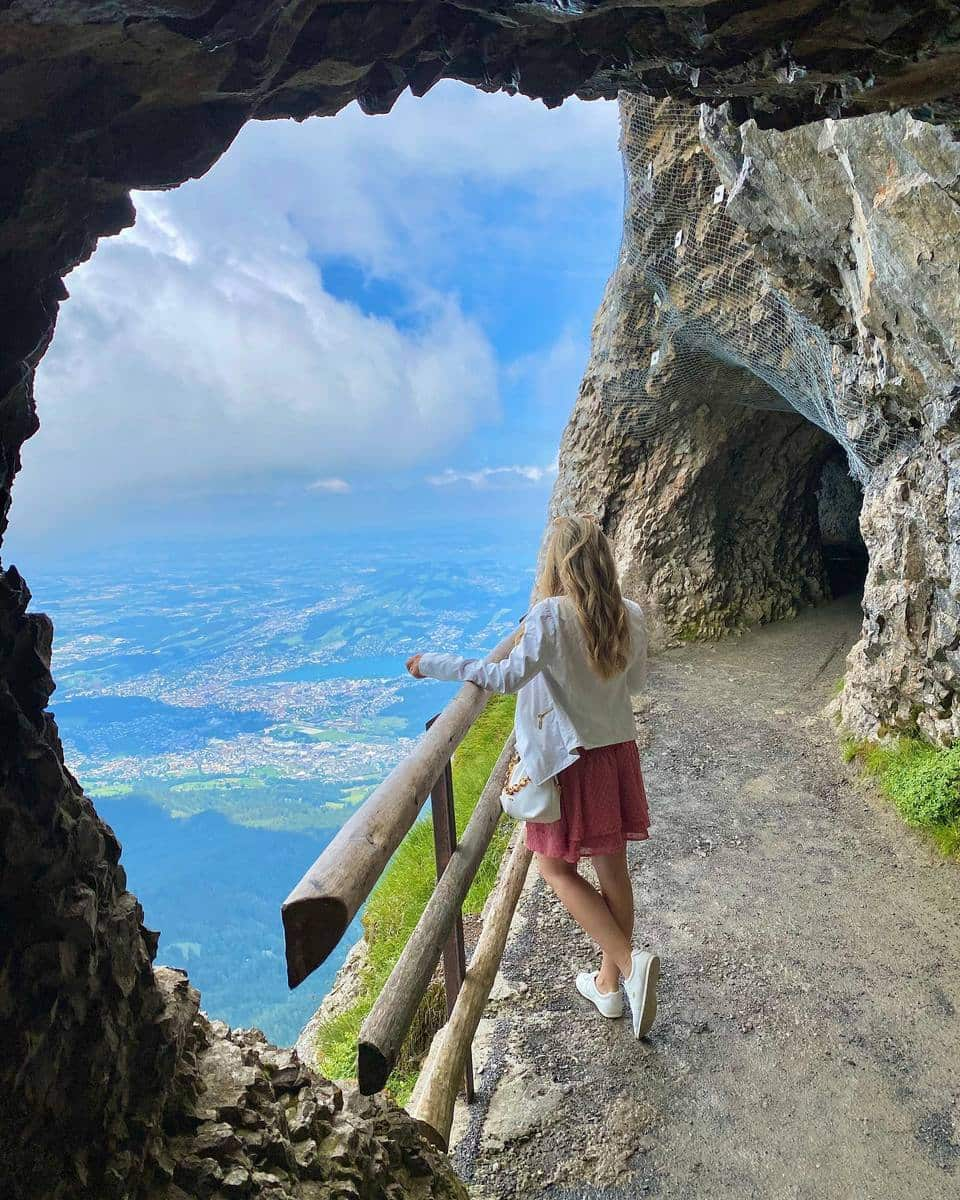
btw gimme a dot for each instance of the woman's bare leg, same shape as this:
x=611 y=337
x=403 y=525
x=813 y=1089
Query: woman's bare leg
x=617 y=891
x=589 y=909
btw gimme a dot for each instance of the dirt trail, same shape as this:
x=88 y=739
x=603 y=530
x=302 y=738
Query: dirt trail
x=808 y=1042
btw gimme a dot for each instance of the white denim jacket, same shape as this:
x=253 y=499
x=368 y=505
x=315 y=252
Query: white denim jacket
x=562 y=702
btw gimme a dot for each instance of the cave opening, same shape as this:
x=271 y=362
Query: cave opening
x=252 y=559
x=801 y=476
x=839 y=502
x=797 y=492
x=742 y=511
x=150 y=95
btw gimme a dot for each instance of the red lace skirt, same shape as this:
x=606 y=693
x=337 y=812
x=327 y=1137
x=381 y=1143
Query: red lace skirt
x=603 y=805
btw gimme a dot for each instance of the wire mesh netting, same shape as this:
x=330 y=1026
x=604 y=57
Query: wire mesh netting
x=691 y=315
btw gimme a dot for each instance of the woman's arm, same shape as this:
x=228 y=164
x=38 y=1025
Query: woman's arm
x=637 y=670
x=510 y=674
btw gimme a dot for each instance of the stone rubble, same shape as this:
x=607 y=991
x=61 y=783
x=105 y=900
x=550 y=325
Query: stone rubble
x=252 y=1120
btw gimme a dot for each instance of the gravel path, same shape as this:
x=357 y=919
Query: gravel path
x=807 y=1042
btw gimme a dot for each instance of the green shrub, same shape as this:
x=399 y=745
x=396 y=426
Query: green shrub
x=396 y=903
x=923 y=782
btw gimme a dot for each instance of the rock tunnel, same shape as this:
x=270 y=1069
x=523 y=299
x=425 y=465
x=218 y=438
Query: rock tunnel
x=712 y=450
x=839 y=504
x=726 y=483
x=735 y=513
x=742 y=515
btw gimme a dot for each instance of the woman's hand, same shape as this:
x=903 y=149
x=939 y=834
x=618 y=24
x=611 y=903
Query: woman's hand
x=413 y=666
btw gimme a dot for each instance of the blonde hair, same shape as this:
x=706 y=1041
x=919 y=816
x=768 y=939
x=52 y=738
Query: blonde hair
x=578 y=563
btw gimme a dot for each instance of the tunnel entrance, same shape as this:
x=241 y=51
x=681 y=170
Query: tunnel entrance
x=839 y=501
x=744 y=517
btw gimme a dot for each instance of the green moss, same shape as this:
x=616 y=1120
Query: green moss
x=400 y=897
x=923 y=782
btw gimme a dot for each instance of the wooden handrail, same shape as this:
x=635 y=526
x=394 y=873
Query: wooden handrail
x=318 y=911
x=435 y=1093
x=389 y=1021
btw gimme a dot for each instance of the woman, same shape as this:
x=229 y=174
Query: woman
x=578 y=656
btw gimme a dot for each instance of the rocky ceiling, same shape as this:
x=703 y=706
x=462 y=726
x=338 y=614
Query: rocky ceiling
x=97 y=98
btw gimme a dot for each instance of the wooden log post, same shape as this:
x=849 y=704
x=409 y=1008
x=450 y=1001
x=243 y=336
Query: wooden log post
x=435 y=1094
x=389 y=1021
x=319 y=909
x=443 y=810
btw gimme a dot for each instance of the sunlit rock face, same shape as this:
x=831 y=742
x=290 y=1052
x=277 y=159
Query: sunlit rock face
x=252 y=1120
x=723 y=517
x=712 y=506
x=861 y=219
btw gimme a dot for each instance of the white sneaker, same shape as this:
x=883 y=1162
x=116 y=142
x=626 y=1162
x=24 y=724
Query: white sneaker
x=608 y=1003
x=641 y=988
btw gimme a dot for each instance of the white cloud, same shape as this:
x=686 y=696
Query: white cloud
x=485 y=476
x=339 y=486
x=200 y=349
x=390 y=189
x=183 y=362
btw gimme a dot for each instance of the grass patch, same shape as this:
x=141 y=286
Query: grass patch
x=395 y=905
x=849 y=749
x=923 y=782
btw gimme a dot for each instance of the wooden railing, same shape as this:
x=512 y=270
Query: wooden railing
x=320 y=908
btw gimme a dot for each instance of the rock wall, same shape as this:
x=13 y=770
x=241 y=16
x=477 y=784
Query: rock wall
x=87 y=1058
x=857 y=223
x=861 y=218
x=711 y=505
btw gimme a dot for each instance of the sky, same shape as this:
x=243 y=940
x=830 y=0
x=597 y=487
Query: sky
x=351 y=320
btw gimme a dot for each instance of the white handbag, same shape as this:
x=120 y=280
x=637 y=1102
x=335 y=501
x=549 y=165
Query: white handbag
x=529 y=801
